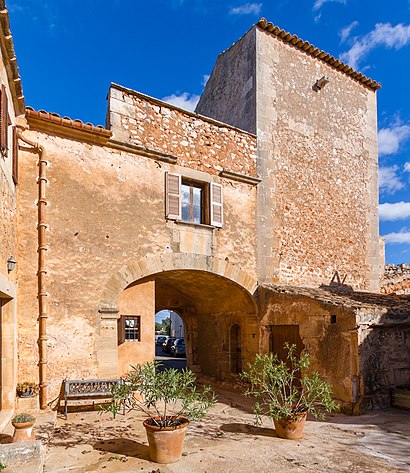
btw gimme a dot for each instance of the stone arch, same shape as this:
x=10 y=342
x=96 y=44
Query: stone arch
x=154 y=264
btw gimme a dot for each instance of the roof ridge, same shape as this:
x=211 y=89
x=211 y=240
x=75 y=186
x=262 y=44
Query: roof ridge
x=317 y=53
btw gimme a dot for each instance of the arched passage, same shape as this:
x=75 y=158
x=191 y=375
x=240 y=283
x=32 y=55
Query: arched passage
x=208 y=301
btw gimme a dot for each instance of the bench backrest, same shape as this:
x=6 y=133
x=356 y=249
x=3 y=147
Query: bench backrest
x=84 y=387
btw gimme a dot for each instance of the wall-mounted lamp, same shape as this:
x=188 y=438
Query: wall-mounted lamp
x=11 y=263
x=320 y=83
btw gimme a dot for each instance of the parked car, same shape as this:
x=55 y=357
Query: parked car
x=166 y=346
x=178 y=347
x=160 y=340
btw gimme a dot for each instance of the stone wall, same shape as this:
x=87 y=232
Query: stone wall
x=327 y=333
x=396 y=279
x=106 y=210
x=384 y=349
x=8 y=248
x=317 y=157
x=196 y=142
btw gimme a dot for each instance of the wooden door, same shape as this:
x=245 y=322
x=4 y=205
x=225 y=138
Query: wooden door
x=235 y=348
x=280 y=334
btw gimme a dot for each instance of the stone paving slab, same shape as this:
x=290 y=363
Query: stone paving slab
x=227 y=442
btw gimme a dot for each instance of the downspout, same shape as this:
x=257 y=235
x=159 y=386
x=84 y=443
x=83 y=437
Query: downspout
x=41 y=268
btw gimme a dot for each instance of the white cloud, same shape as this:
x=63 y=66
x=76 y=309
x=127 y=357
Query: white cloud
x=391 y=138
x=319 y=3
x=246 y=9
x=389 y=181
x=395 y=211
x=185 y=100
x=407 y=166
x=383 y=34
x=344 y=33
x=403 y=236
x=205 y=79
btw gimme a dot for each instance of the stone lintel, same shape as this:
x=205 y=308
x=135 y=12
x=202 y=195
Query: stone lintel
x=109 y=313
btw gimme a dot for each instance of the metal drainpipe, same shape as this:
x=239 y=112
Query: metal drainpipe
x=41 y=271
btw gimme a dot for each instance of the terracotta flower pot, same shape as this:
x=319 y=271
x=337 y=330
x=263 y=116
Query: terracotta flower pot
x=165 y=444
x=23 y=431
x=291 y=428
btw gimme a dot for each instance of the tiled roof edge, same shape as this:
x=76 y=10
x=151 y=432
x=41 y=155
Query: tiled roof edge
x=67 y=122
x=10 y=60
x=308 y=48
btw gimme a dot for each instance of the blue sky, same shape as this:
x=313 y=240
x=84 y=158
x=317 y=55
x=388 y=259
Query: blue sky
x=70 y=50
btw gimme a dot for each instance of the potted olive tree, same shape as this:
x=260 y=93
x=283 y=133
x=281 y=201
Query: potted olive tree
x=286 y=392
x=167 y=398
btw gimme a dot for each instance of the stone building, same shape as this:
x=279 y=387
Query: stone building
x=11 y=106
x=255 y=219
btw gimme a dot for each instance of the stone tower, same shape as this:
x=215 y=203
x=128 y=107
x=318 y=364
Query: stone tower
x=316 y=127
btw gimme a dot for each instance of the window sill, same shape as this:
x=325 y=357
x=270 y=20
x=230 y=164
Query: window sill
x=198 y=225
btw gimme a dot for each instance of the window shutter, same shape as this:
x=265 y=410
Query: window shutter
x=15 y=155
x=216 y=205
x=3 y=119
x=173 y=196
x=121 y=330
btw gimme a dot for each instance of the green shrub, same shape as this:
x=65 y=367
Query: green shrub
x=285 y=389
x=20 y=418
x=162 y=395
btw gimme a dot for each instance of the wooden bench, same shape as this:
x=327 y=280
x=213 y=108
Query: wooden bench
x=88 y=389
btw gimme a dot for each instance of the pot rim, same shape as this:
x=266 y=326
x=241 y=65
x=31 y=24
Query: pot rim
x=157 y=428
x=23 y=425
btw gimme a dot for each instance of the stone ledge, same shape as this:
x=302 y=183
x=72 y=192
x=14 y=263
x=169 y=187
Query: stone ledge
x=236 y=176
x=23 y=456
x=140 y=150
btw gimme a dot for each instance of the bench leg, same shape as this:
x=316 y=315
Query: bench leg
x=65 y=408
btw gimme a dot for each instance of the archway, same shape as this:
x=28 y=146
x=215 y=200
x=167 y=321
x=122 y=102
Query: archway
x=207 y=295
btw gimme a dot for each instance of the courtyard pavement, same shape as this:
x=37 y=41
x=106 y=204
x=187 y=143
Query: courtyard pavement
x=227 y=442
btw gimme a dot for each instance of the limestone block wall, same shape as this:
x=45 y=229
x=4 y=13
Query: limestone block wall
x=332 y=346
x=196 y=141
x=317 y=157
x=230 y=92
x=106 y=209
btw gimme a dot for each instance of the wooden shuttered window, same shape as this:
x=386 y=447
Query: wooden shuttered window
x=216 y=204
x=129 y=328
x=173 y=196
x=4 y=118
x=15 y=156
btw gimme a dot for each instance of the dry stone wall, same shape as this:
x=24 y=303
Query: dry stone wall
x=396 y=279
x=195 y=141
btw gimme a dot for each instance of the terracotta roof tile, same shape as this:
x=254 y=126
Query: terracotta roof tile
x=11 y=60
x=315 y=52
x=75 y=124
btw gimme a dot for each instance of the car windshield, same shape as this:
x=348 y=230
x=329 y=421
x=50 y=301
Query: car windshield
x=181 y=341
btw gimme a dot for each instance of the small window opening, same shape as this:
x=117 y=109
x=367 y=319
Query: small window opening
x=132 y=328
x=333 y=319
x=193 y=202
